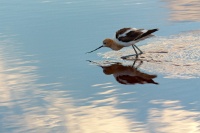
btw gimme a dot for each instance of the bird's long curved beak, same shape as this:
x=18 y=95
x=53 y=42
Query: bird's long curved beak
x=95 y=49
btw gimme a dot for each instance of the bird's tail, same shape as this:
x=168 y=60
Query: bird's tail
x=148 y=33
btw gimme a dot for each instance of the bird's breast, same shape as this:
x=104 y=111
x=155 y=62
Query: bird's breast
x=116 y=47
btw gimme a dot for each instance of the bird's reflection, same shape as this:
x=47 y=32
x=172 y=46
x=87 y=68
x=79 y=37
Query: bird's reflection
x=125 y=74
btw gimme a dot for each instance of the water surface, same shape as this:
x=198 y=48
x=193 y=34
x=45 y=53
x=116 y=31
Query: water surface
x=48 y=84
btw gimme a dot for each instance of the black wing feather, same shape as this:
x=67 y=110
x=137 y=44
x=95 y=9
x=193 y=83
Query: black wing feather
x=133 y=34
x=121 y=31
x=147 y=33
x=130 y=36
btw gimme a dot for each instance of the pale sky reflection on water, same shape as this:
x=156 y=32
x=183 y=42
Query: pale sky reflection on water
x=59 y=110
x=183 y=10
x=44 y=89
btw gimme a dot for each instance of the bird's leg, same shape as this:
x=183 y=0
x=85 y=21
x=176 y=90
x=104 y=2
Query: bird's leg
x=139 y=49
x=136 y=54
x=140 y=63
x=134 y=63
x=135 y=51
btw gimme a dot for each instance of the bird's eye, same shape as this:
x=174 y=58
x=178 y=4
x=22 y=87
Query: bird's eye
x=104 y=42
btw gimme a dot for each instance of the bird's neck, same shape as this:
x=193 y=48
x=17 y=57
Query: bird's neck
x=115 y=46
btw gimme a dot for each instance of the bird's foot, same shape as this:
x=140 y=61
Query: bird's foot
x=136 y=55
x=125 y=57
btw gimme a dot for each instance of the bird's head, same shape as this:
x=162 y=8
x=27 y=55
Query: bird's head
x=108 y=42
x=111 y=44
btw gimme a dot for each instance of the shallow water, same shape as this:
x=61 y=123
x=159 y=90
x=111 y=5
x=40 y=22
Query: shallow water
x=49 y=84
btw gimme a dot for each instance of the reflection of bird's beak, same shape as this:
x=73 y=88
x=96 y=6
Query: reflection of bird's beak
x=95 y=49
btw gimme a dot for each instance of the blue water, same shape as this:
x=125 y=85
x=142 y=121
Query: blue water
x=47 y=84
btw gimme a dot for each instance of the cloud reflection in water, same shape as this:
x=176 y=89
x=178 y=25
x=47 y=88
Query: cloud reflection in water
x=184 y=10
x=173 y=118
x=22 y=98
x=26 y=107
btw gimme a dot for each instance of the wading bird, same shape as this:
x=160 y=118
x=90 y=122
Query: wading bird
x=127 y=37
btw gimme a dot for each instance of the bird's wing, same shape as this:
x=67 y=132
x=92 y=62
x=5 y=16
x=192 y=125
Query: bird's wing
x=128 y=34
x=122 y=32
x=132 y=34
x=147 y=33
